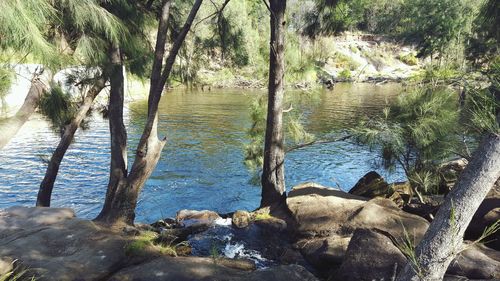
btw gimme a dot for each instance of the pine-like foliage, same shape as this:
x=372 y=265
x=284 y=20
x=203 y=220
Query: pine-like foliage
x=418 y=132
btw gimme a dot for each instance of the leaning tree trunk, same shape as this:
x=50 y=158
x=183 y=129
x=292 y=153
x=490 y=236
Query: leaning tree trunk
x=10 y=126
x=121 y=198
x=443 y=240
x=45 y=191
x=273 y=173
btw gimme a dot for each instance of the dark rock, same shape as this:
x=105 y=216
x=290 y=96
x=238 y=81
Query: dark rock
x=486 y=215
x=370 y=255
x=241 y=219
x=323 y=253
x=176 y=235
x=476 y=262
x=425 y=210
x=272 y=224
x=371 y=185
x=449 y=172
x=373 y=255
x=241 y=264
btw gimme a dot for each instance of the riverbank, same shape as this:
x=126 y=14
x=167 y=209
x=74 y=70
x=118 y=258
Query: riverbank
x=321 y=234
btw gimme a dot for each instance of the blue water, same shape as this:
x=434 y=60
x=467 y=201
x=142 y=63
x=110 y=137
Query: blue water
x=201 y=166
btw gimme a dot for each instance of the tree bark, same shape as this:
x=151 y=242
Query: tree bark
x=45 y=191
x=118 y=165
x=121 y=198
x=273 y=173
x=10 y=126
x=443 y=240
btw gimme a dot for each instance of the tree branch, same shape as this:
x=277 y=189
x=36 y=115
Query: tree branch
x=318 y=142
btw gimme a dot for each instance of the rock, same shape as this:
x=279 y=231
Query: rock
x=402 y=193
x=476 y=262
x=55 y=244
x=425 y=210
x=16 y=218
x=241 y=264
x=176 y=235
x=272 y=224
x=371 y=185
x=69 y=249
x=241 y=219
x=320 y=211
x=196 y=268
x=449 y=172
x=323 y=253
x=193 y=217
x=487 y=214
x=370 y=255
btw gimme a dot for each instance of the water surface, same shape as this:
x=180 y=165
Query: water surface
x=201 y=166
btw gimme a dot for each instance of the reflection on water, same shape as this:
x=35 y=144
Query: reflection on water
x=202 y=165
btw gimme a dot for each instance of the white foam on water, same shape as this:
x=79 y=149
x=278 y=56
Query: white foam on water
x=223 y=222
x=238 y=250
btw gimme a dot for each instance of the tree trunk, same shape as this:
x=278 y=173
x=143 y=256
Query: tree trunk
x=273 y=173
x=443 y=240
x=118 y=165
x=121 y=198
x=10 y=126
x=45 y=191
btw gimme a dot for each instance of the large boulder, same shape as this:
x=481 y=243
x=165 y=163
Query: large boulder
x=486 y=215
x=320 y=211
x=373 y=254
x=323 y=253
x=196 y=268
x=55 y=246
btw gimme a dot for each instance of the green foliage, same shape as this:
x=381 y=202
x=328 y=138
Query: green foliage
x=17 y=274
x=483 y=105
x=345 y=74
x=49 y=30
x=294 y=130
x=146 y=241
x=416 y=133
x=409 y=58
x=407 y=247
x=58 y=107
x=5 y=83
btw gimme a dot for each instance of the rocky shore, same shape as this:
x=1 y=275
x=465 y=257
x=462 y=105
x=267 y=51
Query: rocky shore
x=321 y=234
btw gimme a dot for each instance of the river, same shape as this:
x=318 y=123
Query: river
x=201 y=166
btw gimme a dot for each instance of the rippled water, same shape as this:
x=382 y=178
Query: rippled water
x=202 y=164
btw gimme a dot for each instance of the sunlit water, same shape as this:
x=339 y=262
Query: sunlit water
x=202 y=165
